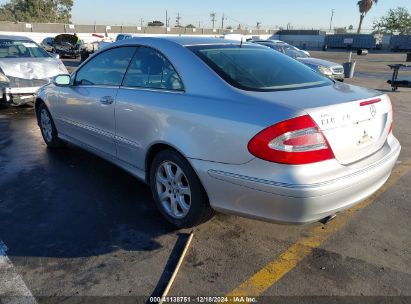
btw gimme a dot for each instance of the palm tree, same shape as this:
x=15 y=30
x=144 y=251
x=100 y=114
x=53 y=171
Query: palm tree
x=364 y=7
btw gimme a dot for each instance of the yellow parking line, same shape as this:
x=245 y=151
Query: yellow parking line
x=275 y=270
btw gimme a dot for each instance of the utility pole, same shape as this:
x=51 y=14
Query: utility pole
x=258 y=27
x=166 y=19
x=213 y=17
x=178 y=18
x=331 y=20
x=222 y=22
x=141 y=22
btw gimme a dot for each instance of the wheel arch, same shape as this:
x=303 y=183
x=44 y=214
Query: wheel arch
x=38 y=101
x=153 y=150
x=161 y=146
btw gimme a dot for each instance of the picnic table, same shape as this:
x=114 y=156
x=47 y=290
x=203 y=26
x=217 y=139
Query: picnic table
x=395 y=82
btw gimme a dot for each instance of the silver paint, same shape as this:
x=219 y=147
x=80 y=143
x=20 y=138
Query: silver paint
x=211 y=123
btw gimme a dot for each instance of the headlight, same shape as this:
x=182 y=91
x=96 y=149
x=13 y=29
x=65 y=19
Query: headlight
x=3 y=78
x=324 y=70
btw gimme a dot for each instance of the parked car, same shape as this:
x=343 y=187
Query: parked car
x=24 y=68
x=48 y=44
x=123 y=37
x=327 y=68
x=68 y=45
x=281 y=43
x=212 y=124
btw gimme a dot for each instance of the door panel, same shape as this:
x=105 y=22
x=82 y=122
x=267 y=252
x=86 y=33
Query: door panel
x=87 y=106
x=88 y=118
x=149 y=88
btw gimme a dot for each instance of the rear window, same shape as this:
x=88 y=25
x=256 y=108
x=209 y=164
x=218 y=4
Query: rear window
x=257 y=68
x=20 y=49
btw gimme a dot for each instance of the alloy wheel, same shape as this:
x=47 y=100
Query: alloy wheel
x=173 y=189
x=46 y=126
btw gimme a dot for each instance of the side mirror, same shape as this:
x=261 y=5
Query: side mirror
x=55 y=55
x=62 y=80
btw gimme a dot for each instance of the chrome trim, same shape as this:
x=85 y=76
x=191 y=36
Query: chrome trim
x=127 y=142
x=153 y=90
x=86 y=127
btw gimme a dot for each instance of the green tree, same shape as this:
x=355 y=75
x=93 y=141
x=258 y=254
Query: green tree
x=155 y=23
x=37 y=11
x=340 y=30
x=190 y=26
x=396 y=20
x=364 y=6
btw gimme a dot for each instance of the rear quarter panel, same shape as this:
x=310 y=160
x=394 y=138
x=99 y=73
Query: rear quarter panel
x=200 y=127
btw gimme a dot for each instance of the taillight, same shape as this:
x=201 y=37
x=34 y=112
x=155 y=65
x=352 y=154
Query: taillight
x=295 y=141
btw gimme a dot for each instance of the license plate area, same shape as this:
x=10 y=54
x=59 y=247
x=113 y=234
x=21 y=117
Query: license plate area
x=365 y=132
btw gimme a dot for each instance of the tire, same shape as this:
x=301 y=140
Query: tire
x=191 y=206
x=47 y=127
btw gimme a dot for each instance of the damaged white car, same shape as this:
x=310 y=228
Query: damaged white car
x=24 y=68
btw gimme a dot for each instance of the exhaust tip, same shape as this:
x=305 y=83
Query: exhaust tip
x=328 y=219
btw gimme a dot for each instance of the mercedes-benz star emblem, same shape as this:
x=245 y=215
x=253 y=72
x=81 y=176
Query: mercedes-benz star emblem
x=373 y=110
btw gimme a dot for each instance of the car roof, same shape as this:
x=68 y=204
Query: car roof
x=271 y=41
x=13 y=37
x=187 y=40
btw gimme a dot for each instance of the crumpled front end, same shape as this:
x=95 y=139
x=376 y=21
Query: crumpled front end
x=20 y=91
x=21 y=79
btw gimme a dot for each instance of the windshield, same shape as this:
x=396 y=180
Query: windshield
x=20 y=49
x=258 y=68
x=294 y=52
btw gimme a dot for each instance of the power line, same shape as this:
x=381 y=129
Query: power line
x=213 y=18
x=222 y=22
x=178 y=18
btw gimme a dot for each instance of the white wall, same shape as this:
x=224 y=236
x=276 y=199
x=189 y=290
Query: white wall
x=86 y=37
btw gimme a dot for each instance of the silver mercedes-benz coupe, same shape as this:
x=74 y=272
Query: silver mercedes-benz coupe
x=212 y=124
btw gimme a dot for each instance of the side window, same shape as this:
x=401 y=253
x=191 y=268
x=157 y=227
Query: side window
x=107 y=68
x=150 y=69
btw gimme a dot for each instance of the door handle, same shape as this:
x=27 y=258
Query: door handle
x=107 y=100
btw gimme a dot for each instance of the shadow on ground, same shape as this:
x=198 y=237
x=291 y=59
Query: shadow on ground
x=67 y=202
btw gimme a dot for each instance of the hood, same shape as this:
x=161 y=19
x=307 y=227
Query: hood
x=32 y=68
x=65 y=38
x=303 y=99
x=317 y=62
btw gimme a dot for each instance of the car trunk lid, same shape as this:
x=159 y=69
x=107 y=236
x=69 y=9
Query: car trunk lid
x=355 y=129
x=355 y=121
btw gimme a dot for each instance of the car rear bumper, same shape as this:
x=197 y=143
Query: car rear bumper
x=295 y=194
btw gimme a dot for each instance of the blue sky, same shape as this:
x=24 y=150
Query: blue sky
x=300 y=13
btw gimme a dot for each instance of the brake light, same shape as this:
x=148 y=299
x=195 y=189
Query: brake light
x=370 y=102
x=295 y=141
